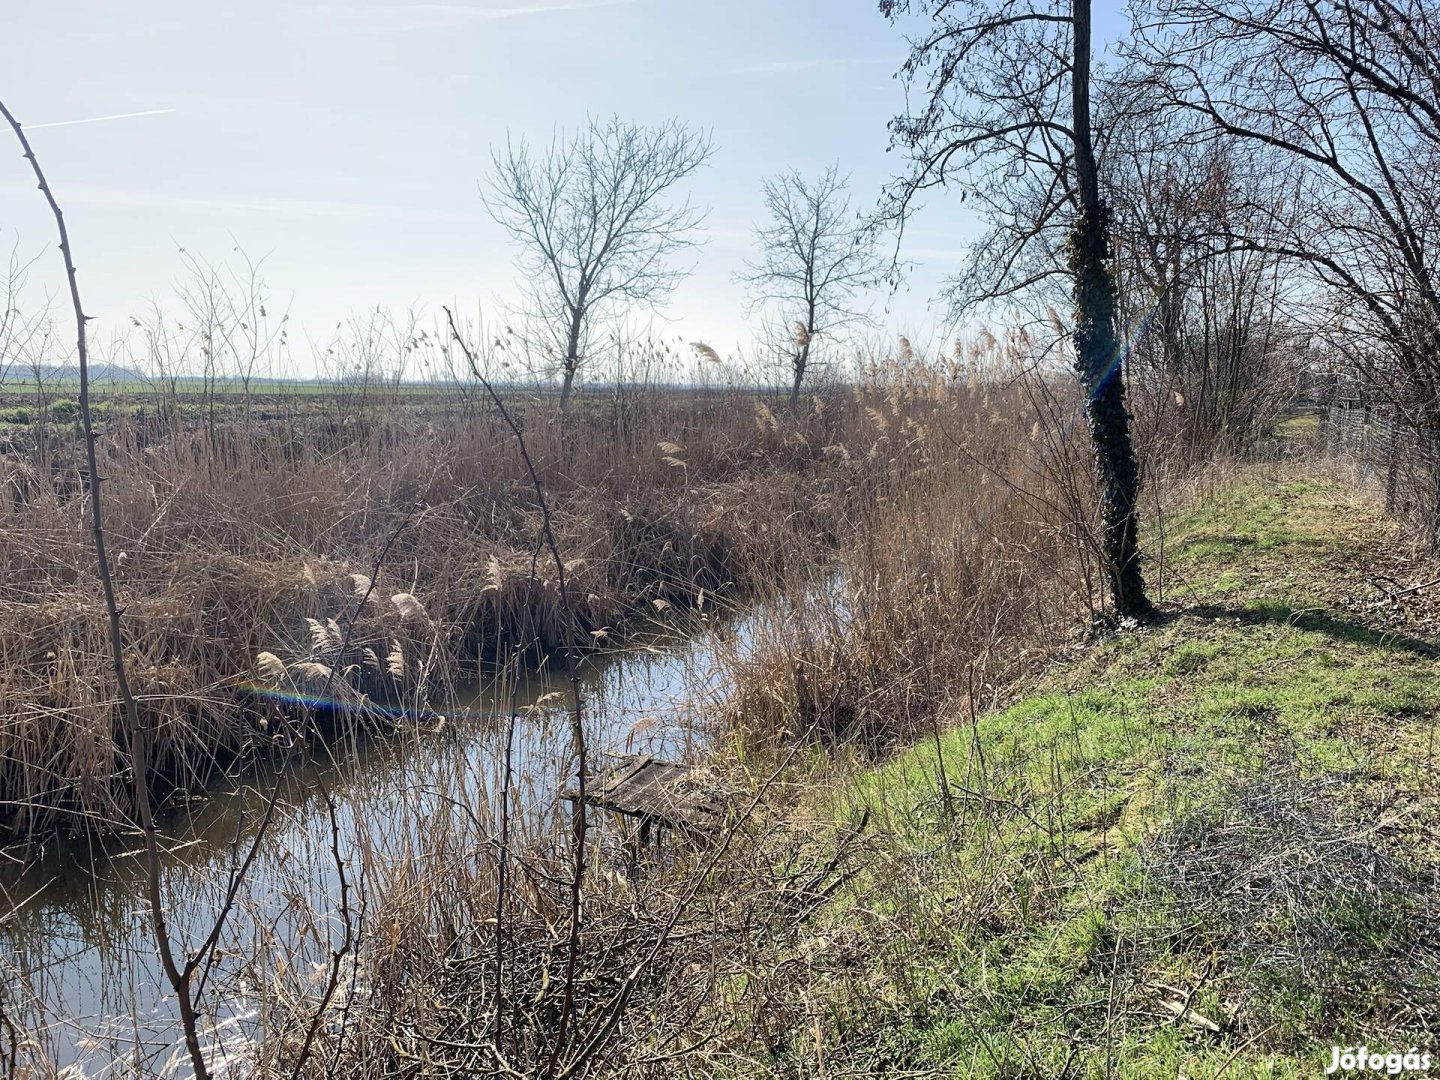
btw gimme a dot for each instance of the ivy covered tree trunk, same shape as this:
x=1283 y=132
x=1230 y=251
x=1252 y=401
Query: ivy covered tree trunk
x=1097 y=351
x=1097 y=361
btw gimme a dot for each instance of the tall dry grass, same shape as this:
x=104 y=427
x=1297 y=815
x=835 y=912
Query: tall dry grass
x=962 y=556
x=971 y=559
x=242 y=525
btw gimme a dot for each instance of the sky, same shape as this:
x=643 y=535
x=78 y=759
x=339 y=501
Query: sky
x=342 y=145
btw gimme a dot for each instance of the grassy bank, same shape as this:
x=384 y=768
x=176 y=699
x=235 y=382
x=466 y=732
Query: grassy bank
x=1200 y=849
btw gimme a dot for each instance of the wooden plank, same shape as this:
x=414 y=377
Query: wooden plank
x=615 y=781
x=668 y=793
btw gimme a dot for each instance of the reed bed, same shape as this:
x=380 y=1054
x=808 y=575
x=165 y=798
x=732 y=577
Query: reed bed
x=962 y=558
x=972 y=560
x=236 y=536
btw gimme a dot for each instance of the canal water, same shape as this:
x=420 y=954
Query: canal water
x=78 y=962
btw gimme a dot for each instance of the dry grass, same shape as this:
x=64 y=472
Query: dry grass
x=233 y=536
x=660 y=950
x=925 y=536
x=972 y=562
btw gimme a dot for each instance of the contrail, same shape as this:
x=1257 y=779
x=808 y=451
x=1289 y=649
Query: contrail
x=97 y=119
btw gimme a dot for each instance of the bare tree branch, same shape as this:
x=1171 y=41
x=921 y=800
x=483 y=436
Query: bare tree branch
x=816 y=256
x=592 y=220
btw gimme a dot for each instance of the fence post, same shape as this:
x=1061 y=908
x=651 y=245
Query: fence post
x=1428 y=439
x=1392 y=466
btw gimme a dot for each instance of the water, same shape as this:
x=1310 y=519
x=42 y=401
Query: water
x=77 y=957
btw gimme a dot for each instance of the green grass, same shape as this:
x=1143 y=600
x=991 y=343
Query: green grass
x=1304 y=426
x=1017 y=926
x=19 y=384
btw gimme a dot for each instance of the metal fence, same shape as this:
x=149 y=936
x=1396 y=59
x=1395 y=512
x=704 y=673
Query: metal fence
x=1387 y=451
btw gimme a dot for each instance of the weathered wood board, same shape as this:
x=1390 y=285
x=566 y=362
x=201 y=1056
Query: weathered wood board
x=667 y=793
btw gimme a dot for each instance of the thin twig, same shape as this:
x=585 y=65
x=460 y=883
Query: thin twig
x=139 y=745
x=579 y=822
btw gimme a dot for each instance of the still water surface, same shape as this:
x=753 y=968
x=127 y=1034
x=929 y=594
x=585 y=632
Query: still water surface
x=77 y=959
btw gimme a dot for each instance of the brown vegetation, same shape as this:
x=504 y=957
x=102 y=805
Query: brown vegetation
x=248 y=541
x=913 y=621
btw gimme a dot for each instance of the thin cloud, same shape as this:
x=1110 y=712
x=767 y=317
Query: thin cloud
x=400 y=18
x=98 y=119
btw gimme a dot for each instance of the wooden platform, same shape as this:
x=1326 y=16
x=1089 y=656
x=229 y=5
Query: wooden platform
x=665 y=793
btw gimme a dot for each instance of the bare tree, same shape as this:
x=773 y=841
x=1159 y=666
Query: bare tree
x=1212 y=330
x=1005 y=102
x=815 y=257
x=592 y=218
x=1348 y=91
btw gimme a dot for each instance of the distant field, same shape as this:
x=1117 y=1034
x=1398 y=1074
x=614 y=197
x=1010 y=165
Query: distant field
x=20 y=389
x=190 y=388
x=190 y=401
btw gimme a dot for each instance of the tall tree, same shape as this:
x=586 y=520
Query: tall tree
x=1214 y=344
x=596 y=228
x=1005 y=104
x=816 y=256
x=1349 y=92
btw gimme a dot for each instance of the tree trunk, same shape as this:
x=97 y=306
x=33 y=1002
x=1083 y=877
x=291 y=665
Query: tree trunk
x=571 y=363
x=1097 y=353
x=799 y=362
x=567 y=384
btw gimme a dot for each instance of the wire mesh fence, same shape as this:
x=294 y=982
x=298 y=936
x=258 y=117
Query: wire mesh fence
x=1388 y=451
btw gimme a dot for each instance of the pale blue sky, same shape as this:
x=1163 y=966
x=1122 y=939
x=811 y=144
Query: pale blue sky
x=343 y=142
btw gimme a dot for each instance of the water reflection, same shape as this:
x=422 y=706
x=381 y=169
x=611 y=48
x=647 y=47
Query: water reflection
x=76 y=955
